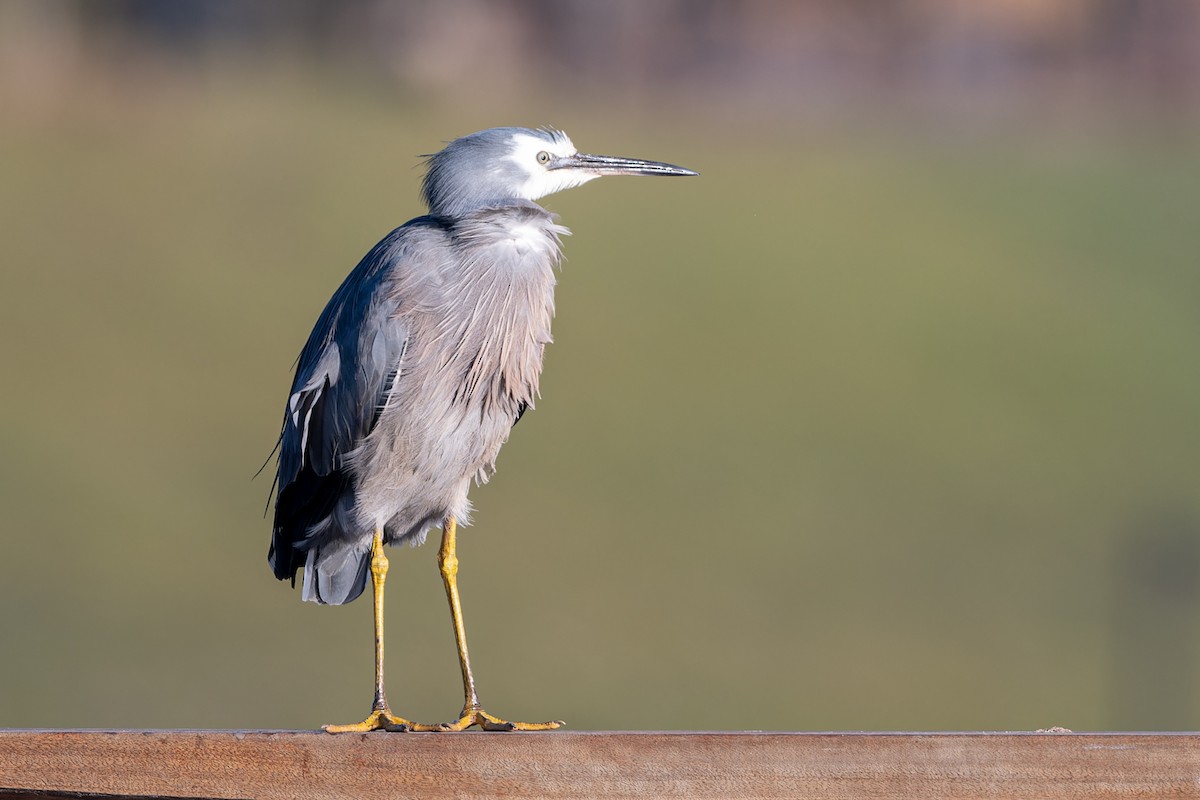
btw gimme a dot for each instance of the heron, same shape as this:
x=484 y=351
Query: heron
x=414 y=375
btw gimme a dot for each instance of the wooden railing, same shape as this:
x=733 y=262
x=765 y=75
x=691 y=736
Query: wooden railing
x=292 y=765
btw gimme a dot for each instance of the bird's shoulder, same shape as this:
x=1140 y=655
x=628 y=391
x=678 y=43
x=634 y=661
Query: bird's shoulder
x=351 y=356
x=418 y=241
x=415 y=248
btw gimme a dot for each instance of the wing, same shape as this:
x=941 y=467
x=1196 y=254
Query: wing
x=344 y=376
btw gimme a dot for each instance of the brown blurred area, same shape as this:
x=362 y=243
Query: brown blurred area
x=962 y=62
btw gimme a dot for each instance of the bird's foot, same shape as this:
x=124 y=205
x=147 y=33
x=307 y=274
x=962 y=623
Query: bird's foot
x=477 y=716
x=381 y=719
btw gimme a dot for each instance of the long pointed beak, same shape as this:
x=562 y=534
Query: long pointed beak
x=615 y=165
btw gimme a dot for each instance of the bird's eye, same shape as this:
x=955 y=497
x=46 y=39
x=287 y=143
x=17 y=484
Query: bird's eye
x=543 y=157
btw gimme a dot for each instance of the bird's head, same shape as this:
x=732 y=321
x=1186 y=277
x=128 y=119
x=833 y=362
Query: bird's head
x=504 y=164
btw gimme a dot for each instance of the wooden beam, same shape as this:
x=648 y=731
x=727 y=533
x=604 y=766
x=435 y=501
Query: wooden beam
x=292 y=765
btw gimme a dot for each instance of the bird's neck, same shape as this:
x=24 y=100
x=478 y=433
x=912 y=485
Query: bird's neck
x=514 y=238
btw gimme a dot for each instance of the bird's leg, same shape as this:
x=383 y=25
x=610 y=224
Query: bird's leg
x=472 y=713
x=381 y=717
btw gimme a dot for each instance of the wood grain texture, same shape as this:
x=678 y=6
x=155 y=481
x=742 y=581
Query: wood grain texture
x=302 y=765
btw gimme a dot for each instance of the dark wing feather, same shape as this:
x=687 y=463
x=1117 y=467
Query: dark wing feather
x=343 y=376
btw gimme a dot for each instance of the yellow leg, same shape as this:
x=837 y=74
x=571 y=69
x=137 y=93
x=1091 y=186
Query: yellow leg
x=472 y=713
x=381 y=717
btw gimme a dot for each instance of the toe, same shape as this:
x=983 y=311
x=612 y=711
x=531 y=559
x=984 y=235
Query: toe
x=493 y=724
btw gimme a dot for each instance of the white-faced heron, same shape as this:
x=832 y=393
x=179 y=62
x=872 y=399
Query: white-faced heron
x=423 y=360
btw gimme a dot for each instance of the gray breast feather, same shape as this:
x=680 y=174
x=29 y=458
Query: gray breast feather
x=477 y=328
x=408 y=386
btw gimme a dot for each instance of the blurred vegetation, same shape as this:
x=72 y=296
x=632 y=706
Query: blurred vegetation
x=868 y=428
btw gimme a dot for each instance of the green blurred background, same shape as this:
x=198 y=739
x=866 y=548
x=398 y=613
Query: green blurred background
x=888 y=421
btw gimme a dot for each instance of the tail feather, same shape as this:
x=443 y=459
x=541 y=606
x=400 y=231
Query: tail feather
x=335 y=576
x=304 y=507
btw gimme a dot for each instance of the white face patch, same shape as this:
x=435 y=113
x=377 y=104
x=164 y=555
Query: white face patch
x=542 y=181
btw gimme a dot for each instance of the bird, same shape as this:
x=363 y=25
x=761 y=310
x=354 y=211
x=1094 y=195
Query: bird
x=415 y=373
